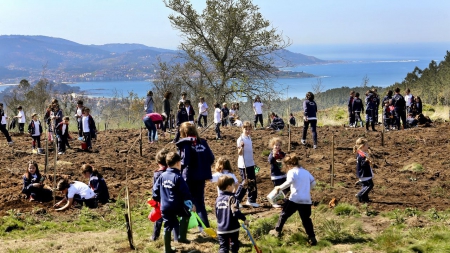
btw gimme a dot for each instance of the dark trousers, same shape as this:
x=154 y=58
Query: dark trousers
x=304 y=210
x=197 y=189
x=259 y=117
x=36 y=140
x=376 y=115
x=400 y=115
x=38 y=193
x=227 y=241
x=5 y=132
x=21 y=127
x=205 y=120
x=157 y=229
x=313 y=124
x=367 y=186
x=217 y=129
x=370 y=115
x=151 y=128
x=225 y=122
x=91 y=203
x=280 y=181
x=170 y=222
x=80 y=128
x=387 y=122
x=351 y=118
x=177 y=136
x=167 y=124
x=62 y=142
x=252 y=194
x=358 y=118
x=88 y=139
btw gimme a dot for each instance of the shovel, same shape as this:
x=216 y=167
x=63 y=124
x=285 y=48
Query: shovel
x=251 y=238
x=211 y=232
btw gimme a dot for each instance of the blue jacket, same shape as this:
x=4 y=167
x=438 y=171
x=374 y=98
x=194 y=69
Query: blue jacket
x=227 y=220
x=350 y=104
x=196 y=159
x=28 y=183
x=310 y=109
x=399 y=102
x=277 y=123
x=275 y=169
x=386 y=98
x=358 y=105
x=98 y=185
x=371 y=101
x=362 y=166
x=171 y=191
x=182 y=116
x=59 y=132
x=31 y=127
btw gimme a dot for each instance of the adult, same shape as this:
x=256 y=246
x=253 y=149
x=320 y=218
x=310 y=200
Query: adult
x=33 y=184
x=371 y=107
x=409 y=100
x=202 y=112
x=225 y=114
x=257 y=109
x=310 y=118
x=190 y=111
x=75 y=192
x=56 y=115
x=418 y=103
x=183 y=97
x=351 y=114
x=167 y=110
x=377 y=105
x=149 y=103
x=277 y=122
x=399 y=108
x=150 y=121
x=3 y=125
x=196 y=161
x=78 y=116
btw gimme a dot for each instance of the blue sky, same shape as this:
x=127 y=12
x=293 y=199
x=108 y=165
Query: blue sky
x=307 y=23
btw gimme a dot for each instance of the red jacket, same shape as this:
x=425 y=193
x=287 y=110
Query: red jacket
x=155 y=117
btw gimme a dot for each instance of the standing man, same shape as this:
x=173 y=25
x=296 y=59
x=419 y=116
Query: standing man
x=399 y=108
x=78 y=116
x=409 y=99
x=202 y=112
x=351 y=114
x=3 y=125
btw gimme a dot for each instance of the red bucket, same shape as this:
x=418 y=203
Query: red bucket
x=84 y=146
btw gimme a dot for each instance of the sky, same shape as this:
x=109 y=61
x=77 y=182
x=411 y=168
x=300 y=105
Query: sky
x=306 y=23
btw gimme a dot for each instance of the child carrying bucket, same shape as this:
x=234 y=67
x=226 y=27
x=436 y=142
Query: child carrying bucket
x=162 y=166
x=275 y=157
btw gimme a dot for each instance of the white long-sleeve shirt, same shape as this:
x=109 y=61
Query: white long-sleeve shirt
x=301 y=183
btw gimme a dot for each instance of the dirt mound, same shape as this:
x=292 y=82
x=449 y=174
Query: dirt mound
x=395 y=187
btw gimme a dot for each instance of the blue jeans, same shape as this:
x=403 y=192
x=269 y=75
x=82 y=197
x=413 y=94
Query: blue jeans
x=150 y=127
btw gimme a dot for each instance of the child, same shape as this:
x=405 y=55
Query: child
x=238 y=122
x=62 y=135
x=363 y=169
x=275 y=158
x=392 y=116
x=35 y=130
x=310 y=118
x=161 y=160
x=96 y=182
x=183 y=97
x=173 y=193
x=228 y=216
x=3 y=125
x=151 y=120
x=190 y=111
x=182 y=117
x=387 y=116
x=202 y=112
x=148 y=104
x=246 y=166
x=48 y=121
x=257 y=109
x=357 y=108
x=57 y=114
x=75 y=192
x=292 y=120
x=232 y=115
x=89 y=128
x=223 y=167
x=277 y=122
x=79 y=116
x=33 y=184
x=225 y=114
x=217 y=119
x=21 y=119
x=351 y=114
x=300 y=182
x=371 y=109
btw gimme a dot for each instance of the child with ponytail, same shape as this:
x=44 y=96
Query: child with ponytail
x=96 y=182
x=363 y=169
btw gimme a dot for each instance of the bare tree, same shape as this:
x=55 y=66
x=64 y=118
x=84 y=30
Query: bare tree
x=365 y=81
x=318 y=87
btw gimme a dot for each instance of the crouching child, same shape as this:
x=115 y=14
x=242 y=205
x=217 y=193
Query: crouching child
x=228 y=216
x=173 y=193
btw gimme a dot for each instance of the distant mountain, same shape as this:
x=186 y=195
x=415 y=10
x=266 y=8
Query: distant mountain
x=24 y=57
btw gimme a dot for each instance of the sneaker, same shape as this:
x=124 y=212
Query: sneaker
x=276 y=206
x=10 y=143
x=312 y=241
x=275 y=233
x=304 y=142
x=251 y=204
x=315 y=146
x=60 y=153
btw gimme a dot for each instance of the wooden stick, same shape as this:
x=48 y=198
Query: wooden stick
x=382 y=137
x=289 y=133
x=54 y=170
x=140 y=142
x=332 y=162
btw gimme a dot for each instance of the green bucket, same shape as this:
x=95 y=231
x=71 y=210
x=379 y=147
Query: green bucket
x=193 y=223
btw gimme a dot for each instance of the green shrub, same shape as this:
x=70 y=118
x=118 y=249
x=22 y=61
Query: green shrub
x=427 y=108
x=265 y=153
x=345 y=209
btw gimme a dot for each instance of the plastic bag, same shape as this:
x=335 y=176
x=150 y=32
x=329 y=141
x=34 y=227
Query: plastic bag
x=155 y=214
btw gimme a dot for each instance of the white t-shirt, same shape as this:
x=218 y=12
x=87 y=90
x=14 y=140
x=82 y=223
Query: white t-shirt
x=85 y=123
x=64 y=126
x=21 y=116
x=258 y=107
x=231 y=115
x=79 y=113
x=4 y=122
x=238 y=123
x=217 y=115
x=408 y=99
x=248 y=152
x=301 y=183
x=202 y=108
x=215 y=178
x=36 y=128
x=81 y=189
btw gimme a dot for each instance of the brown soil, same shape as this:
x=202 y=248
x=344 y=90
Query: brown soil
x=394 y=188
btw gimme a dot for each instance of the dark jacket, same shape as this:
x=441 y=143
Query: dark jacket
x=358 y=105
x=60 y=116
x=98 y=185
x=59 y=130
x=386 y=98
x=28 y=183
x=399 y=102
x=350 y=104
x=225 y=112
x=166 y=106
x=362 y=166
x=92 y=127
x=191 y=113
x=418 y=107
x=275 y=168
x=182 y=116
x=310 y=109
x=228 y=217
x=387 y=112
x=196 y=159
x=292 y=121
x=31 y=129
x=371 y=101
x=277 y=123
x=171 y=191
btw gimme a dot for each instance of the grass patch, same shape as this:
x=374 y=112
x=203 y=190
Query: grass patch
x=345 y=209
x=265 y=153
x=413 y=167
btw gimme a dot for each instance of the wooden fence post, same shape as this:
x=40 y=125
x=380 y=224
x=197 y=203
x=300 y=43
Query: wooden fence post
x=332 y=161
